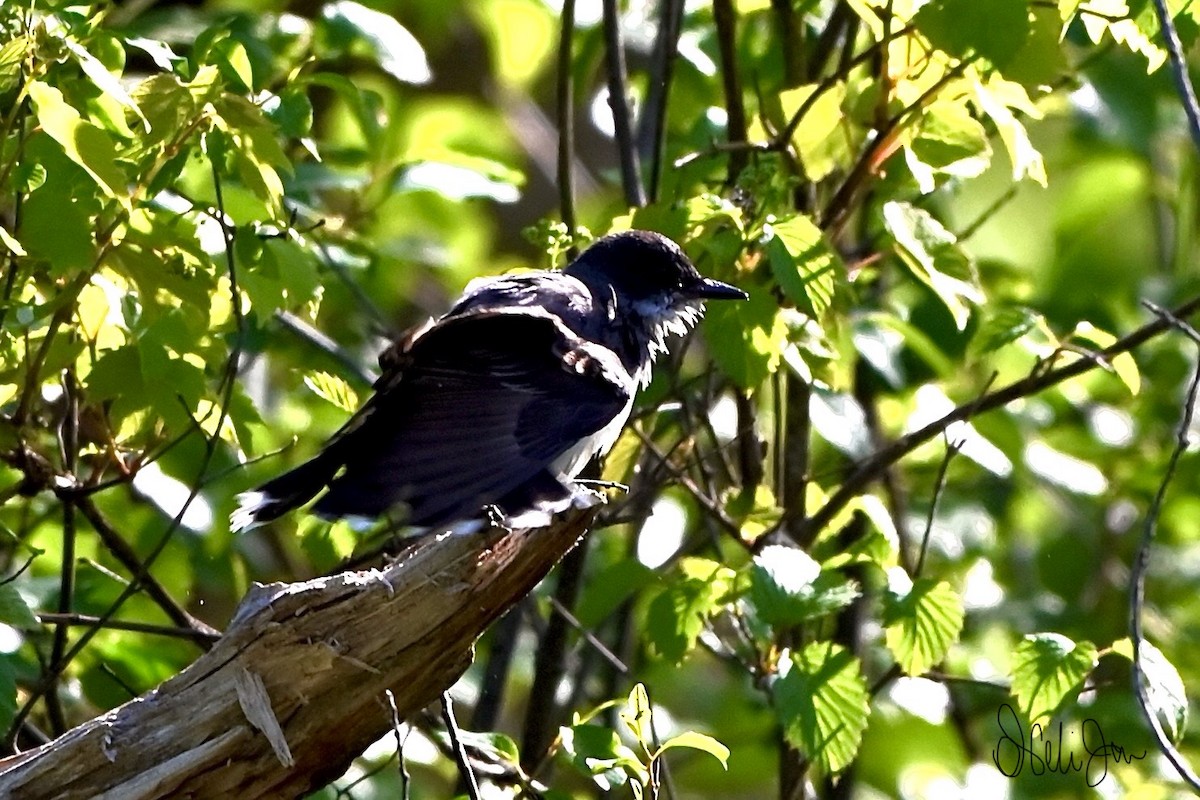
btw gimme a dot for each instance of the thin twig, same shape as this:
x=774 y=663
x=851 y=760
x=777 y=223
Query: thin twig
x=1179 y=70
x=618 y=101
x=952 y=449
x=1141 y=562
x=652 y=121
x=311 y=336
x=401 y=766
x=870 y=468
x=204 y=638
x=725 y=19
x=566 y=119
x=460 y=752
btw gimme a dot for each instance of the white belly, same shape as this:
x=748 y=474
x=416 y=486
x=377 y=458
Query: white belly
x=567 y=466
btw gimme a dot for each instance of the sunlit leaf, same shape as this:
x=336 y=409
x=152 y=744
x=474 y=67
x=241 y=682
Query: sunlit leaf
x=787 y=587
x=935 y=258
x=747 y=339
x=821 y=700
x=994 y=29
x=922 y=619
x=396 y=50
x=805 y=266
x=332 y=389
x=698 y=741
x=84 y=143
x=1048 y=670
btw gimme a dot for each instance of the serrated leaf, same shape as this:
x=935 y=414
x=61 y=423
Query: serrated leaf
x=788 y=587
x=84 y=143
x=921 y=622
x=951 y=141
x=996 y=98
x=332 y=389
x=698 y=741
x=676 y=616
x=1049 y=669
x=747 y=339
x=14 y=610
x=821 y=699
x=933 y=256
x=804 y=264
x=1166 y=694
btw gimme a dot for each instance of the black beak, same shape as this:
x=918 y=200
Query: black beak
x=711 y=289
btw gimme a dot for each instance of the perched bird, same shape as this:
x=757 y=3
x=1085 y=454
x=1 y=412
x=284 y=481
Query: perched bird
x=492 y=411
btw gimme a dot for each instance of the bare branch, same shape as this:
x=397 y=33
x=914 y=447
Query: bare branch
x=871 y=468
x=618 y=101
x=326 y=650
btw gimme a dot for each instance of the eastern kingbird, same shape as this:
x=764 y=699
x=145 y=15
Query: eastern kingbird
x=493 y=410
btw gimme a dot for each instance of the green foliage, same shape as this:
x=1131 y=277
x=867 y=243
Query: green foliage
x=922 y=620
x=821 y=699
x=211 y=220
x=1048 y=669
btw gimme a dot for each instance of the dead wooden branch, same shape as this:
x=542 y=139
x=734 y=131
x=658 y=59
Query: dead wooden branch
x=294 y=690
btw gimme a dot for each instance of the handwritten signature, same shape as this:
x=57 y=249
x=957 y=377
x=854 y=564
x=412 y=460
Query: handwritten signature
x=1013 y=748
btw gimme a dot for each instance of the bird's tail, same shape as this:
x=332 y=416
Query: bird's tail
x=280 y=495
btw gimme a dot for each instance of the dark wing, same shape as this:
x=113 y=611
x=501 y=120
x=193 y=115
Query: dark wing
x=478 y=407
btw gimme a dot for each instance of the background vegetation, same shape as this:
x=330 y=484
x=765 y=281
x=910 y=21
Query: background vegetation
x=907 y=485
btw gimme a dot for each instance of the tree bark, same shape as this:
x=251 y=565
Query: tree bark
x=294 y=689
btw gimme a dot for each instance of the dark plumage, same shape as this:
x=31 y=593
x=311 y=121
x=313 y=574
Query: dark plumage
x=497 y=406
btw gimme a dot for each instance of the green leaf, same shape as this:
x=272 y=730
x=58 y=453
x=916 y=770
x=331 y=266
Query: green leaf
x=820 y=140
x=104 y=80
x=395 y=49
x=332 y=389
x=598 y=752
x=1049 y=669
x=637 y=715
x=84 y=143
x=996 y=98
x=231 y=58
x=788 y=587
x=676 y=616
x=805 y=266
x=933 y=256
x=1123 y=365
x=950 y=141
x=292 y=111
x=747 y=338
x=698 y=741
x=921 y=621
x=994 y=29
x=821 y=699
x=500 y=747
x=14 y=610
x=1165 y=691
x=57 y=227
x=10 y=243
x=1003 y=325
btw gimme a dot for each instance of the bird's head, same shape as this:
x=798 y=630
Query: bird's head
x=652 y=283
